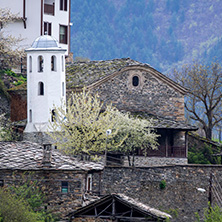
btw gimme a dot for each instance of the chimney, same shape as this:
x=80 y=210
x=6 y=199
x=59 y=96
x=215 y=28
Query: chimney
x=47 y=155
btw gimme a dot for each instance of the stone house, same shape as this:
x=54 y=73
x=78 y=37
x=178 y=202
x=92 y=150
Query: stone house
x=140 y=89
x=64 y=180
x=135 y=87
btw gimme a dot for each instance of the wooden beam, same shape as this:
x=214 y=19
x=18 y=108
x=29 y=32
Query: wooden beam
x=104 y=209
x=113 y=207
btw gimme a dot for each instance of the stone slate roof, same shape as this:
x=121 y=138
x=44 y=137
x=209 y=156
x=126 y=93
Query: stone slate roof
x=128 y=201
x=79 y=74
x=205 y=140
x=89 y=73
x=164 y=123
x=26 y=155
x=142 y=206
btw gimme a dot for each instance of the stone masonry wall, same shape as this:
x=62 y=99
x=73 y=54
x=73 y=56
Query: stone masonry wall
x=180 y=194
x=50 y=183
x=143 y=161
x=151 y=95
x=4 y=104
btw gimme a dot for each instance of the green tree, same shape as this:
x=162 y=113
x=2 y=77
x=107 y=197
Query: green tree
x=23 y=201
x=6 y=129
x=203 y=155
x=211 y=214
x=81 y=128
x=204 y=103
x=13 y=209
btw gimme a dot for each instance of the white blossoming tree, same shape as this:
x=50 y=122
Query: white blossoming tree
x=10 y=53
x=81 y=128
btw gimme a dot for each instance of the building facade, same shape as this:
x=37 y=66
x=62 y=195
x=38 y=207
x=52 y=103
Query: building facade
x=39 y=17
x=46 y=85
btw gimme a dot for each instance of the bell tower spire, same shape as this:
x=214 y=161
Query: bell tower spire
x=46 y=87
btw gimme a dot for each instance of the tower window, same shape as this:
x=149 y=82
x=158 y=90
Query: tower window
x=30 y=115
x=41 y=89
x=135 y=81
x=63 y=5
x=53 y=117
x=63 y=89
x=62 y=64
x=30 y=63
x=64 y=187
x=63 y=34
x=40 y=64
x=53 y=63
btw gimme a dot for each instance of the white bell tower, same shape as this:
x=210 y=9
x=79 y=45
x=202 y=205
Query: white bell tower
x=46 y=86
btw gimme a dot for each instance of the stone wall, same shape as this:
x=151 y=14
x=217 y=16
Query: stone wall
x=151 y=95
x=4 y=104
x=180 y=194
x=50 y=183
x=90 y=220
x=143 y=161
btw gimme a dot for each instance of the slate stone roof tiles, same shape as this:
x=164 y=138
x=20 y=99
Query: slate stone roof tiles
x=26 y=155
x=79 y=74
x=165 y=123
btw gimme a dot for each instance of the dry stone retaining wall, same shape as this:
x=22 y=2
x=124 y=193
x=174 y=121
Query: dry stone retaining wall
x=180 y=195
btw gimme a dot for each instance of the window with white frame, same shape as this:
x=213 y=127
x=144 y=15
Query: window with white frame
x=63 y=34
x=63 y=5
x=47 y=28
x=89 y=183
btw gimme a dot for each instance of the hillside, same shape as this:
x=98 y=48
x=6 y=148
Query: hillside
x=164 y=34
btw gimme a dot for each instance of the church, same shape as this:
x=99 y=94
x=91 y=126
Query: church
x=129 y=85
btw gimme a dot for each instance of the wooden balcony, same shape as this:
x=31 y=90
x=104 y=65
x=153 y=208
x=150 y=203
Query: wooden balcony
x=169 y=151
x=49 y=9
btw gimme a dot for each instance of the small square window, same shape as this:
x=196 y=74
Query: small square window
x=64 y=187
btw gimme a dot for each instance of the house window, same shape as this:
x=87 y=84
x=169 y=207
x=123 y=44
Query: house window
x=53 y=117
x=40 y=64
x=30 y=115
x=30 y=63
x=63 y=5
x=1 y=183
x=135 y=81
x=63 y=89
x=41 y=89
x=64 y=187
x=89 y=183
x=47 y=28
x=53 y=63
x=63 y=34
